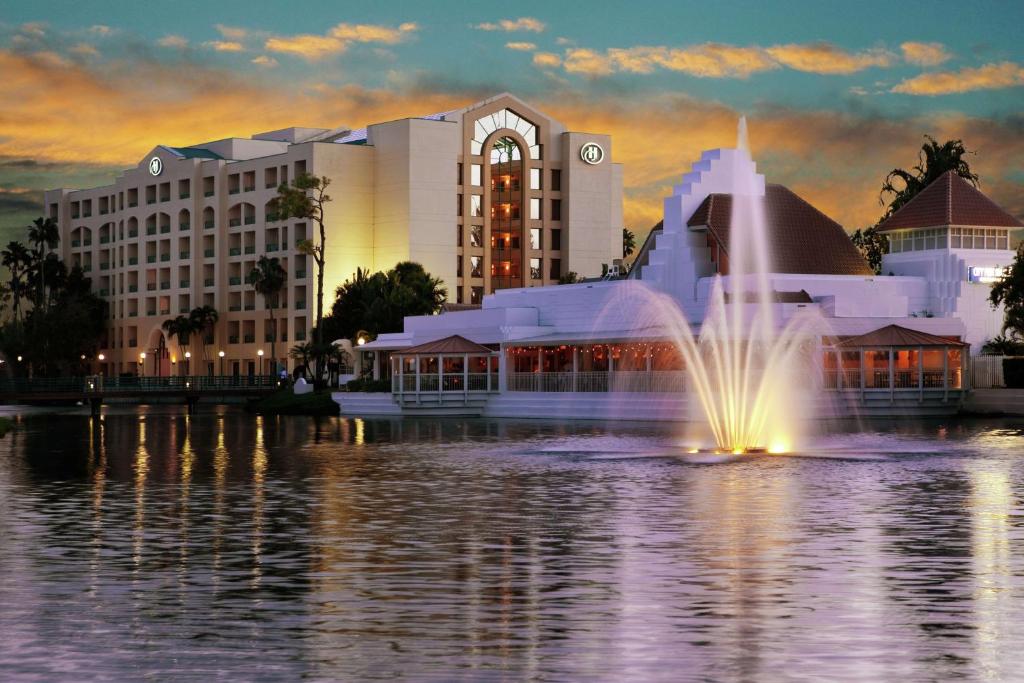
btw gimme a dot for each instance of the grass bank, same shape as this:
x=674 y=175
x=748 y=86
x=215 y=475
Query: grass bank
x=284 y=402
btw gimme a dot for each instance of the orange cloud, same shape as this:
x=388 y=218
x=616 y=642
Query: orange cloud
x=173 y=41
x=225 y=45
x=264 y=61
x=525 y=47
x=520 y=24
x=925 y=54
x=547 y=60
x=825 y=58
x=232 y=32
x=338 y=39
x=987 y=77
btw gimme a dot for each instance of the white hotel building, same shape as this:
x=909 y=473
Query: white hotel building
x=492 y=196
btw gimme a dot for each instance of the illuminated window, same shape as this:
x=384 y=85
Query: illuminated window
x=476 y=175
x=535 y=179
x=535 y=269
x=535 y=208
x=476 y=235
x=476 y=264
x=534 y=238
x=476 y=205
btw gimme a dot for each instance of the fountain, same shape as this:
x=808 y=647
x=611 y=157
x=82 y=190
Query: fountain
x=744 y=366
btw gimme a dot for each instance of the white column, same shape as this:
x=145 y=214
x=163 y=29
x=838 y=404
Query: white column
x=465 y=373
x=920 y=373
x=575 y=368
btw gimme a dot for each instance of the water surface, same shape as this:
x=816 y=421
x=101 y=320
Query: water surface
x=148 y=544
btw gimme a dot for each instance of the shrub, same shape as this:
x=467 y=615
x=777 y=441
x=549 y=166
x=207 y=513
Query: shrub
x=368 y=385
x=1013 y=372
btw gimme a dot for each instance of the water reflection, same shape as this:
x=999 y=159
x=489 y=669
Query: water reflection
x=267 y=548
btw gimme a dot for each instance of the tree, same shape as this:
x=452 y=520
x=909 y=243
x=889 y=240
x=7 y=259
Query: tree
x=204 y=320
x=181 y=328
x=18 y=261
x=268 y=278
x=932 y=161
x=628 y=243
x=1010 y=293
x=305 y=198
x=872 y=244
x=569 y=278
x=44 y=234
x=378 y=303
x=303 y=354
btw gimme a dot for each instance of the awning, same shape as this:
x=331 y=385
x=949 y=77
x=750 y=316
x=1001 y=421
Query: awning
x=455 y=344
x=894 y=335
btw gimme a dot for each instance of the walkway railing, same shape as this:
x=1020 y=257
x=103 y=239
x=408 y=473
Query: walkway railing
x=135 y=385
x=598 y=382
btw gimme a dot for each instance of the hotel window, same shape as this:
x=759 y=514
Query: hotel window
x=476 y=205
x=458 y=295
x=476 y=235
x=476 y=295
x=556 y=180
x=556 y=209
x=476 y=266
x=458 y=267
x=458 y=206
x=534 y=238
x=300 y=168
x=476 y=175
x=535 y=269
x=535 y=208
x=535 y=179
x=458 y=177
x=458 y=235
x=556 y=239
x=556 y=268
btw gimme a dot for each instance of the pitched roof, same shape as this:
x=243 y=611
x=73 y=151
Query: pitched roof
x=453 y=344
x=894 y=335
x=950 y=200
x=802 y=239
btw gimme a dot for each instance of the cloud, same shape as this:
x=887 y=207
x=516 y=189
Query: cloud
x=84 y=50
x=510 y=25
x=719 y=60
x=987 y=77
x=36 y=29
x=232 y=32
x=101 y=30
x=316 y=47
x=225 y=45
x=547 y=60
x=825 y=58
x=523 y=46
x=264 y=61
x=173 y=41
x=925 y=54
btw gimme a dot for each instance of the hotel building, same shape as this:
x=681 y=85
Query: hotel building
x=492 y=196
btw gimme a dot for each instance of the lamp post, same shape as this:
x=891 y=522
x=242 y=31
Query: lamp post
x=260 y=354
x=188 y=358
x=221 y=355
x=142 y=363
x=101 y=358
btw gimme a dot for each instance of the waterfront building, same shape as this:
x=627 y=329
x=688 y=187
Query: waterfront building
x=899 y=342
x=491 y=196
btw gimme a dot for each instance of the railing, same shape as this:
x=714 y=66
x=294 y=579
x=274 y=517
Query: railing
x=599 y=382
x=133 y=384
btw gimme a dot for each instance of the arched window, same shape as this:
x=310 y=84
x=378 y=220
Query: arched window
x=184 y=220
x=506 y=188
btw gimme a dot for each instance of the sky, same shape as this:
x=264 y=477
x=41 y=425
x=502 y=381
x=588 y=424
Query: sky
x=835 y=94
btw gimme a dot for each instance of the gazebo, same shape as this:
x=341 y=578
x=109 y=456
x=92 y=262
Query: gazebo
x=447 y=367
x=896 y=360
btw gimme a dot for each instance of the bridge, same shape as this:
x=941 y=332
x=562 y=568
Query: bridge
x=95 y=389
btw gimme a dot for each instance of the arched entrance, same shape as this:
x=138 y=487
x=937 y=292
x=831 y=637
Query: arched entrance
x=158 y=355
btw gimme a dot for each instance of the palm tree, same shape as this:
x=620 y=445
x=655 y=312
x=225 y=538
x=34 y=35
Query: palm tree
x=44 y=234
x=628 y=243
x=203 y=320
x=303 y=353
x=932 y=161
x=181 y=329
x=268 y=278
x=18 y=260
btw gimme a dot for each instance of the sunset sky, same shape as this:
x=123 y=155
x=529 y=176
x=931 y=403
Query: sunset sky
x=835 y=94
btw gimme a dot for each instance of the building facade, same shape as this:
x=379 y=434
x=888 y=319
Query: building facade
x=490 y=196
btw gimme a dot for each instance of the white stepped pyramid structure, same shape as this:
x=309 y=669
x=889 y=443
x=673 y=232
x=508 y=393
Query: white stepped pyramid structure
x=680 y=257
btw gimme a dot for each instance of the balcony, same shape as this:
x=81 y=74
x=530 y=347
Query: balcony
x=234 y=222
x=234 y=307
x=104 y=240
x=133 y=233
x=103 y=292
x=133 y=288
x=87 y=242
x=234 y=191
x=249 y=338
x=104 y=266
x=184 y=195
x=250 y=250
x=151 y=230
x=183 y=284
x=151 y=200
x=209 y=224
x=133 y=260
x=209 y=193
x=233 y=339
x=208 y=282
x=86 y=268
x=234 y=280
x=132 y=205
x=250 y=307
x=164 y=229
x=271 y=247
x=151 y=258
x=165 y=257
x=270 y=186
x=250 y=220
x=76 y=243
x=184 y=226
x=300 y=305
x=235 y=251
x=300 y=274
x=183 y=254
x=165 y=285
x=151 y=311
x=150 y=286
x=249 y=188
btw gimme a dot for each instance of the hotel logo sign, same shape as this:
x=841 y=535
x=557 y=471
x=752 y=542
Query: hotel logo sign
x=156 y=166
x=986 y=274
x=591 y=153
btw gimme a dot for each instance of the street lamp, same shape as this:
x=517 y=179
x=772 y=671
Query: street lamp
x=188 y=358
x=260 y=354
x=101 y=357
x=142 y=363
x=221 y=354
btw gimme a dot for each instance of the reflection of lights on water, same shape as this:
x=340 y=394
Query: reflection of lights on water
x=360 y=432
